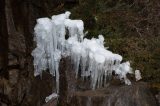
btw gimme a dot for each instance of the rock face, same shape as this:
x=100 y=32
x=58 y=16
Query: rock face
x=68 y=82
x=158 y=98
x=18 y=86
x=137 y=94
x=52 y=102
x=77 y=92
x=3 y=39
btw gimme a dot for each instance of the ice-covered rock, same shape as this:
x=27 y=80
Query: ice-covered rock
x=88 y=55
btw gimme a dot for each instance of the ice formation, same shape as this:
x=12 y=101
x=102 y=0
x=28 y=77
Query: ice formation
x=53 y=95
x=138 y=75
x=89 y=56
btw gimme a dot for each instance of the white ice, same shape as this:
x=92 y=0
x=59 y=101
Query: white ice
x=88 y=55
x=53 y=95
x=138 y=75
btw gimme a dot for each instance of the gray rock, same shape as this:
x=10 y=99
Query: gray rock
x=13 y=76
x=52 y=102
x=138 y=94
x=12 y=60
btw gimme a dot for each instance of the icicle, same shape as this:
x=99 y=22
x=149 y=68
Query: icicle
x=43 y=31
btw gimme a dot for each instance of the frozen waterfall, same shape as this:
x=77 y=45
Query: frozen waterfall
x=88 y=55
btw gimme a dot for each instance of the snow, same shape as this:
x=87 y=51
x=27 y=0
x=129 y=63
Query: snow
x=88 y=55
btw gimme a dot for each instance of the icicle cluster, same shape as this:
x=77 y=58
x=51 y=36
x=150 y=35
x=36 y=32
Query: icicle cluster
x=87 y=55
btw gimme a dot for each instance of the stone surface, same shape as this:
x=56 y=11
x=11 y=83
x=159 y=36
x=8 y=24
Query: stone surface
x=3 y=40
x=137 y=94
x=69 y=84
x=52 y=102
x=13 y=76
x=158 y=98
x=63 y=82
x=12 y=60
x=18 y=86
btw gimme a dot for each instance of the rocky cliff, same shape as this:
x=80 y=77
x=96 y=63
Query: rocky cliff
x=18 y=86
